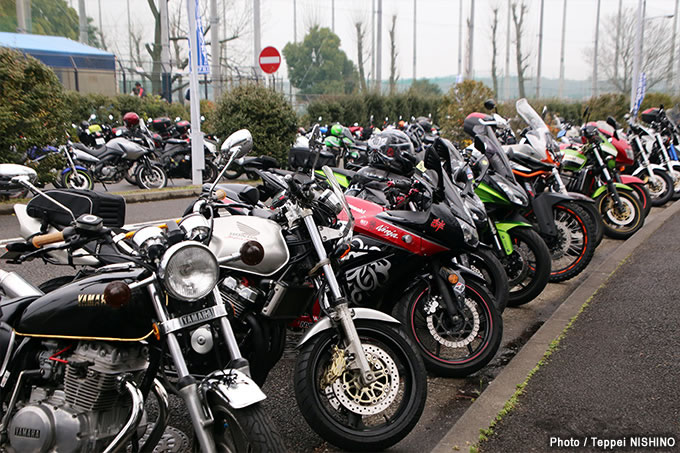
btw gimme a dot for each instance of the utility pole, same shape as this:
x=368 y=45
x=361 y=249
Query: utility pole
x=506 y=81
x=129 y=30
x=638 y=55
x=82 y=19
x=669 y=80
x=29 y=18
x=540 y=53
x=333 y=16
x=295 y=21
x=216 y=69
x=372 y=43
x=101 y=27
x=460 y=38
x=617 y=48
x=414 y=41
x=597 y=39
x=564 y=34
x=257 y=47
x=197 y=153
x=165 y=51
x=378 y=59
x=21 y=17
x=471 y=35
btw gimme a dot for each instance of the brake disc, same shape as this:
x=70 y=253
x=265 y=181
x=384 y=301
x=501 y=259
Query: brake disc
x=439 y=331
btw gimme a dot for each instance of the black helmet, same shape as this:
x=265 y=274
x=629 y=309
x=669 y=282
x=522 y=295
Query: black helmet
x=84 y=125
x=391 y=150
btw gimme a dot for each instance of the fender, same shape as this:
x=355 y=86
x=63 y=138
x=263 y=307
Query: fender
x=504 y=228
x=542 y=207
x=628 y=179
x=644 y=170
x=578 y=196
x=357 y=313
x=68 y=169
x=618 y=185
x=240 y=391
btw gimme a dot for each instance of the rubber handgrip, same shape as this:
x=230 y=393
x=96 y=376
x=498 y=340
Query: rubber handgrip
x=45 y=239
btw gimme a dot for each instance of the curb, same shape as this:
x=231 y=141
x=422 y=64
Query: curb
x=465 y=432
x=139 y=197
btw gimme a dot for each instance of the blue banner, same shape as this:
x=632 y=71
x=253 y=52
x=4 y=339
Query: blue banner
x=640 y=94
x=202 y=64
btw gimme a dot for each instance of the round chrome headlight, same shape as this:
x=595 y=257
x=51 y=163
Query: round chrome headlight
x=196 y=227
x=189 y=270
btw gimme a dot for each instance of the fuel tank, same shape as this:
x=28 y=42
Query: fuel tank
x=230 y=233
x=79 y=309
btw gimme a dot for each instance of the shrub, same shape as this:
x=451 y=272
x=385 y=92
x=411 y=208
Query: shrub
x=31 y=105
x=265 y=113
x=461 y=100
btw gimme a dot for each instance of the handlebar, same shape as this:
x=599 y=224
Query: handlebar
x=46 y=239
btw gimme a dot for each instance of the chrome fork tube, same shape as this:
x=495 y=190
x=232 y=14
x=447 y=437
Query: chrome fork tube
x=344 y=315
x=227 y=331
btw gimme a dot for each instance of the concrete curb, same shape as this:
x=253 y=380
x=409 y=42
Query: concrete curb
x=465 y=432
x=137 y=197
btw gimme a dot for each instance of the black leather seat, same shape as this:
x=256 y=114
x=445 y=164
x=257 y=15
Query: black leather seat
x=176 y=141
x=96 y=152
x=237 y=192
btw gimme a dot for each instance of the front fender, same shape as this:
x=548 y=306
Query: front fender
x=68 y=169
x=628 y=179
x=234 y=387
x=504 y=228
x=542 y=206
x=652 y=167
x=618 y=185
x=578 y=196
x=357 y=313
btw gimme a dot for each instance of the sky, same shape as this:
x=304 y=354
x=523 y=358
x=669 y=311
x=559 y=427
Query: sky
x=437 y=30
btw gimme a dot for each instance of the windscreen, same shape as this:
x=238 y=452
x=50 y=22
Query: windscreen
x=539 y=136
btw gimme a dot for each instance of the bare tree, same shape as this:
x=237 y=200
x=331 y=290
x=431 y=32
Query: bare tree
x=393 y=56
x=361 y=58
x=654 y=57
x=519 y=11
x=494 y=49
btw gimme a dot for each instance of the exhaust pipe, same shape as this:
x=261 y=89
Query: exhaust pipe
x=14 y=285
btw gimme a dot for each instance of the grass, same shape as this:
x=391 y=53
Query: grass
x=510 y=405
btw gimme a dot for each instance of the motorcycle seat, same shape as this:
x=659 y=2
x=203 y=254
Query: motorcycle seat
x=11 y=309
x=175 y=141
x=263 y=162
x=515 y=153
x=96 y=152
x=238 y=192
x=263 y=213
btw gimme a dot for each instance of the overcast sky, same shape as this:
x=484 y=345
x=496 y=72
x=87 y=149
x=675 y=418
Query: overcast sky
x=437 y=27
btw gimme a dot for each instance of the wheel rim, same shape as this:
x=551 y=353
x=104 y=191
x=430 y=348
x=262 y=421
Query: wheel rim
x=657 y=186
x=78 y=181
x=520 y=266
x=619 y=217
x=449 y=340
x=571 y=242
x=152 y=178
x=229 y=436
x=369 y=422
x=676 y=180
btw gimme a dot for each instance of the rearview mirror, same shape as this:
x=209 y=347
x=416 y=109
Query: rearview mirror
x=110 y=117
x=238 y=144
x=612 y=122
x=489 y=104
x=544 y=111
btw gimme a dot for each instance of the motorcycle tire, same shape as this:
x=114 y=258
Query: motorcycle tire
x=595 y=219
x=643 y=196
x=151 y=177
x=448 y=352
x=533 y=274
x=675 y=176
x=660 y=187
x=80 y=179
x=572 y=223
x=620 y=225
x=247 y=429
x=234 y=173
x=491 y=272
x=210 y=172
x=332 y=412
x=131 y=175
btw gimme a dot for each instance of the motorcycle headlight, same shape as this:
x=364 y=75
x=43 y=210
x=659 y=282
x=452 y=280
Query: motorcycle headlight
x=469 y=234
x=512 y=194
x=188 y=270
x=196 y=227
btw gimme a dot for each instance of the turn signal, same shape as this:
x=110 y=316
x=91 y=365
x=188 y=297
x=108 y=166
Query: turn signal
x=252 y=253
x=453 y=279
x=220 y=194
x=117 y=294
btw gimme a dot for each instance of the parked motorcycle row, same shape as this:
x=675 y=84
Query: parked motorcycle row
x=394 y=250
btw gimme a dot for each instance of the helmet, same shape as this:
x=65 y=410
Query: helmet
x=391 y=150
x=131 y=119
x=337 y=130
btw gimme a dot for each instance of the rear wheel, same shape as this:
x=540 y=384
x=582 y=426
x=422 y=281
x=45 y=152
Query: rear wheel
x=452 y=346
x=573 y=248
x=151 y=177
x=623 y=222
x=528 y=267
x=209 y=172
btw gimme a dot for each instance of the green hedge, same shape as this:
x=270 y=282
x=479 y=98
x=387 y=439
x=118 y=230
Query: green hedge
x=358 y=108
x=265 y=113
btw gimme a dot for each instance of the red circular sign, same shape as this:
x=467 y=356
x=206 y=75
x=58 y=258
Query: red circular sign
x=270 y=60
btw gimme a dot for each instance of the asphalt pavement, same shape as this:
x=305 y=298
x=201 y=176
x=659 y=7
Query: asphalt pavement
x=612 y=383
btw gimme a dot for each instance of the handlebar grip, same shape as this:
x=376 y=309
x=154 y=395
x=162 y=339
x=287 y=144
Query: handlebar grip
x=45 y=239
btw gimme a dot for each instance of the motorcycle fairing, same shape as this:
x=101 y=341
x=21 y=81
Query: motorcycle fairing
x=618 y=185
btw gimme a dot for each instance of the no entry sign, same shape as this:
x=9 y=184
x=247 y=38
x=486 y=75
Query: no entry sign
x=270 y=60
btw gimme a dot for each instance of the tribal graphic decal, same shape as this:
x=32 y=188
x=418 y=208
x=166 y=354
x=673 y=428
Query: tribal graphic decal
x=362 y=281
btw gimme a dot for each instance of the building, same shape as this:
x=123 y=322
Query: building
x=79 y=67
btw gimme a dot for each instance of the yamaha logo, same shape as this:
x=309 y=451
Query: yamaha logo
x=27 y=432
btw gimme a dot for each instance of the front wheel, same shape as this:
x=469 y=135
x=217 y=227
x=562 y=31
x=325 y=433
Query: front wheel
x=573 y=247
x=490 y=269
x=248 y=429
x=660 y=186
x=528 y=266
x=79 y=179
x=643 y=196
x=590 y=209
x=151 y=177
x=452 y=346
x=344 y=411
x=621 y=222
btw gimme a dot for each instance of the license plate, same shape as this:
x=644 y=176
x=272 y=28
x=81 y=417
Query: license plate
x=99 y=141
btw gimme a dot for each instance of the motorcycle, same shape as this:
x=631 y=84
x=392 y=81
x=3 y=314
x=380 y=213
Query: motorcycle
x=8 y=187
x=661 y=125
x=90 y=369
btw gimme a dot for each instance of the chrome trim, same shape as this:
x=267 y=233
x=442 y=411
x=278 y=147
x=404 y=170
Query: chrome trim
x=194 y=318
x=136 y=412
x=15 y=395
x=173 y=250
x=5 y=362
x=163 y=417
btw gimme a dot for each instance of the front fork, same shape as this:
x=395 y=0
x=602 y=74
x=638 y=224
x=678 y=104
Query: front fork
x=342 y=312
x=611 y=184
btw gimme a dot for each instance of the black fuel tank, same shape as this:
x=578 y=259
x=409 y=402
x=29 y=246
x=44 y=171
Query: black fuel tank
x=78 y=309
